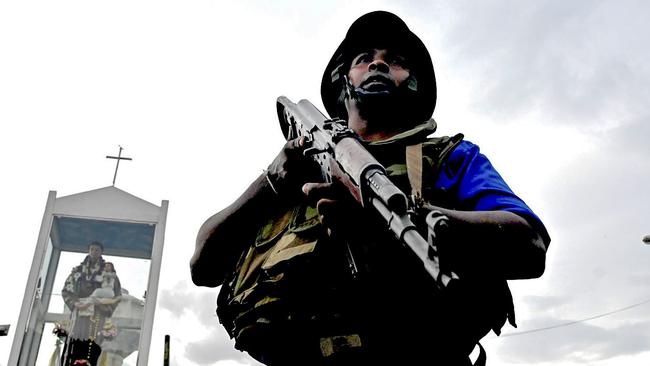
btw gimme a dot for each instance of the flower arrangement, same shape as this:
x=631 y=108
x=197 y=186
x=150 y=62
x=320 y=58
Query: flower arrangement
x=109 y=331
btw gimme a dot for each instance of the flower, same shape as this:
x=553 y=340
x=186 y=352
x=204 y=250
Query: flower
x=109 y=331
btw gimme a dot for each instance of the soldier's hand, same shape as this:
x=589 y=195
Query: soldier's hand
x=338 y=212
x=291 y=169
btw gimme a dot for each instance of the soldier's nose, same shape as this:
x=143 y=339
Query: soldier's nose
x=378 y=65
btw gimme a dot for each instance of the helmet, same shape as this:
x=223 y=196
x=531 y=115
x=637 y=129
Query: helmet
x=380 y=29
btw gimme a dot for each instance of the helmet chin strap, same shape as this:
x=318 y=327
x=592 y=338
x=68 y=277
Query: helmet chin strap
x=405 y=94
x=362 y=95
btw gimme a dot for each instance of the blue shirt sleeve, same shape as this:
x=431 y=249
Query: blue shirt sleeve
x=474 y=185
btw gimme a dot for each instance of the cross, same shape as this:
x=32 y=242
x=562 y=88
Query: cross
x=118 y=158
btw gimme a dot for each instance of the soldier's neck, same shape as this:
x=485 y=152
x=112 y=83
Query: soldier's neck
x=374 y=129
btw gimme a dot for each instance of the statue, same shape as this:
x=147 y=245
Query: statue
x=91 y=292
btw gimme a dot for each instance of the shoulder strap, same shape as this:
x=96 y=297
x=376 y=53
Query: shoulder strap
x=414 y=171
x=437 y=150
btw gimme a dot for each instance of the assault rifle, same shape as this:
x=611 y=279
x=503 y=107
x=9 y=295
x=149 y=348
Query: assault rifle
x=341 y=156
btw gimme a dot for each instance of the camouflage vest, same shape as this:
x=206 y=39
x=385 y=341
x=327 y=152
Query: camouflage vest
x=292 y=291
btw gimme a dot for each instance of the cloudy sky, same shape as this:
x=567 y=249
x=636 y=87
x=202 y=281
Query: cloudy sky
x=555 y=93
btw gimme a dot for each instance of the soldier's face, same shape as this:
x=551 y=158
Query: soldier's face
x=377 y=69
x=95 y=251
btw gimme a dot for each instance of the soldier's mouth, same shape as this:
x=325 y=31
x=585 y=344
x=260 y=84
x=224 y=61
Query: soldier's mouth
x=376 y=81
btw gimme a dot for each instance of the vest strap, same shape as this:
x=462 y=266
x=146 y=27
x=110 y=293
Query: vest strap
x=414 y=171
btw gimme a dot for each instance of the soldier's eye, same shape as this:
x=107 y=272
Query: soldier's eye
x=362 y=58
x=398 y=61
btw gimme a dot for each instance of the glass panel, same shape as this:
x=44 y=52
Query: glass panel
x=51 y=347
x=126 y=239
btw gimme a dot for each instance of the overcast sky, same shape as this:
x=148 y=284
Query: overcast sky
x=555 y=92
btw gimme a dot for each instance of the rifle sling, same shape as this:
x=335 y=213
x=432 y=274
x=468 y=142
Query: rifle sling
x=414 y=171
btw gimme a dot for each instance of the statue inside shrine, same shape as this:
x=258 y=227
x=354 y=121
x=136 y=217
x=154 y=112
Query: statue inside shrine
x=91 y=292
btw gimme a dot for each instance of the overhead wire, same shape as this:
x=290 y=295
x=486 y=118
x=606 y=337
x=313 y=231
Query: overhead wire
x=511 y=334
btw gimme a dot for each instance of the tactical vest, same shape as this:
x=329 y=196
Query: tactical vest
x=294 y=295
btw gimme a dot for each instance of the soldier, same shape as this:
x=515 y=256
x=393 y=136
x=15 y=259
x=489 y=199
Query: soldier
x=310 y=277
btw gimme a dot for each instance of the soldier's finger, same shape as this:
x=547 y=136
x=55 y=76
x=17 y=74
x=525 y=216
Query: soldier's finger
x=330 y=212
x=316 y=191
x=296 y=146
